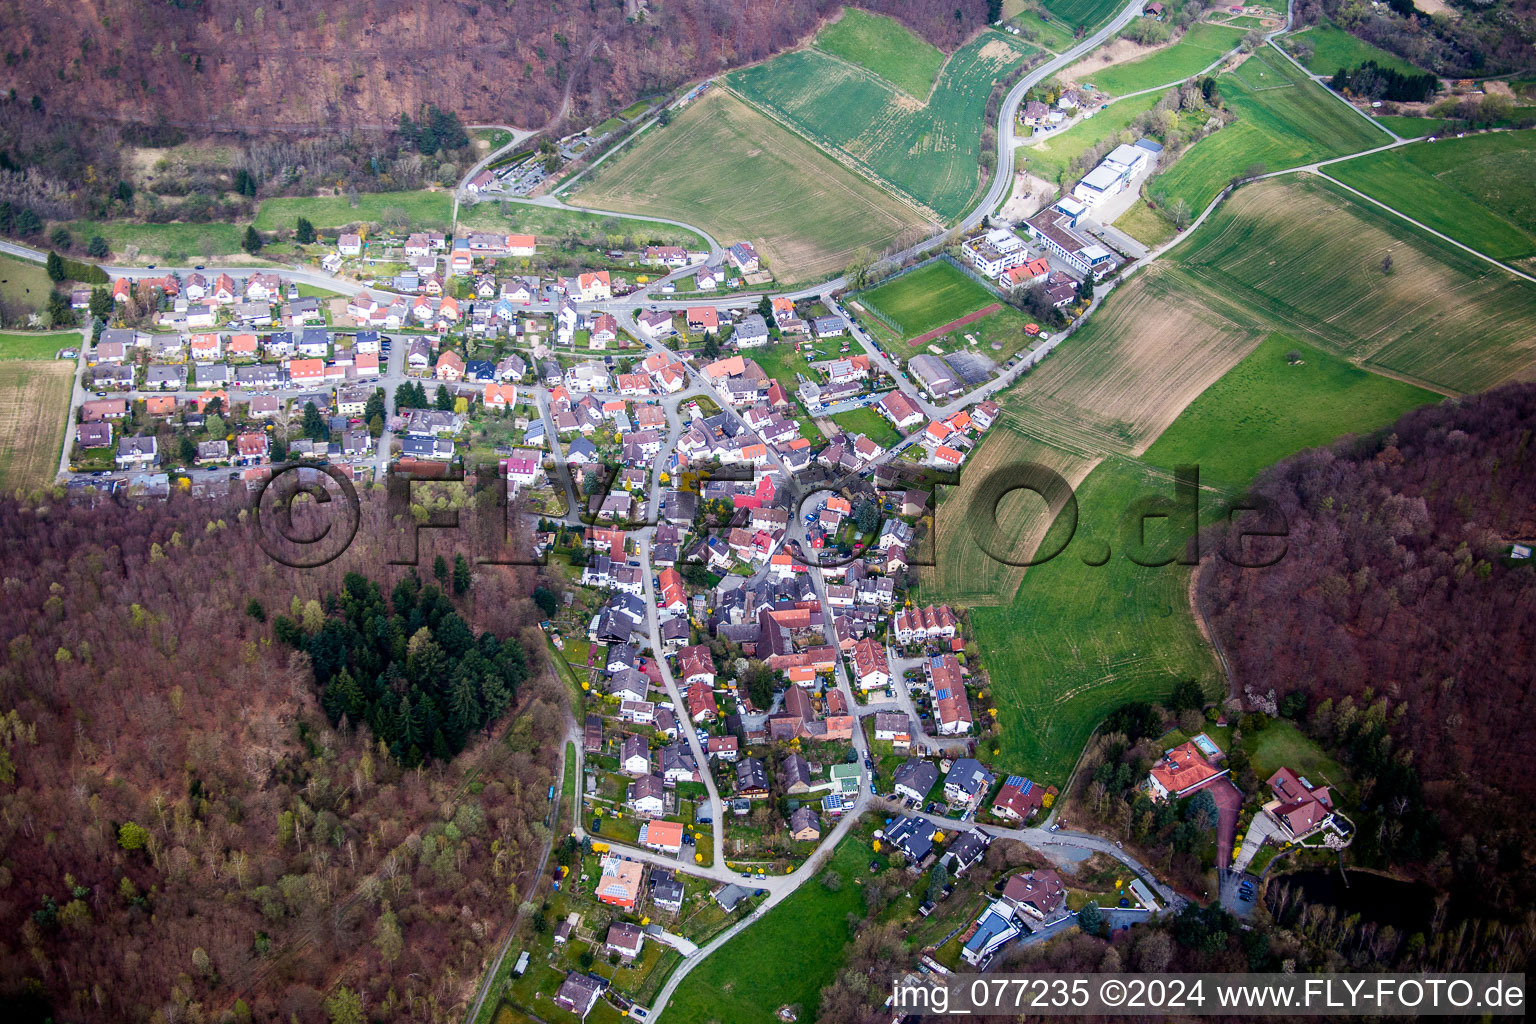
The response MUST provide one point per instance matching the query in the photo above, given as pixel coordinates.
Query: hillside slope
(298, 65)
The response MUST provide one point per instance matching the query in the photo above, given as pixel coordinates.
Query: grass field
(34, 413)
(927, 298)
(1048, 158)
(1480, 190)
(420, 210)
(1049, 31)
(793, 951)
(886, 47)
(1442, 317)
(927, 150)
(545, 222)
(1265, 409)
(1412, 127)
(869, 423)
(1281, 745)
(1334, 48)
(23, 284)
(807, 215)
(1283, 120)
(1145, 224)
(1195, 50)
(22, 345)
(1080, 639)
(160, 242)
(1087, 13)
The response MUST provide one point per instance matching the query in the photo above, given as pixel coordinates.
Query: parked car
(597, 825)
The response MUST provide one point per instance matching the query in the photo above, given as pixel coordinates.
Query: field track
(943, 329)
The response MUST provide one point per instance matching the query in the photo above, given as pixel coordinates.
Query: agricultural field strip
(1198, 40)
(834, 152)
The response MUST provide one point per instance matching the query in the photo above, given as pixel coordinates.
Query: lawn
(1284, 119)
(171, 243)
(808, 216)
(24, 285)
(927, 151)
(870, 423)
(494, 138)
(415, 211)
(549, 224)
(1048, 158)
(1090, 629)
(1334, 48)
(928, 297)
(1085, 13)
(1196, 50)
(635, 109)
(1145, 224)
(34, 414)
(1265, 409)
(21, 345)
(1441, 317)
(1412, 127)
(786, 957)
(1280, 744)
(1480, 190)
(886, 47)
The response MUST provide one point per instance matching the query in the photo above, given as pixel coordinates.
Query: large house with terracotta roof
(1182, 771)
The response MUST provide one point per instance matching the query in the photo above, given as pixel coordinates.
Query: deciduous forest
(1398, 617)
(186, 836)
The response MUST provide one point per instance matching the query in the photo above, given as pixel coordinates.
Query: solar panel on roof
(1026, 787)
(944, 693)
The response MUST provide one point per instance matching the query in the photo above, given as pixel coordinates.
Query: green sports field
(927, 298)
(1267, 408)
(928, 151)
(1480, 190)
(413, 211)
(808, 216)
(1048, 158)
(1196, 50)
(1283, 120)
(1334, 48)
(885, 47)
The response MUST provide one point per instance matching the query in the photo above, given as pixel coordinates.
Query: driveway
(1229, 800)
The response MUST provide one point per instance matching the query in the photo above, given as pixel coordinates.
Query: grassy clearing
(24, 285)
(794, 951)
(1441, 317)
(1038, 25)
(1145, 224)
(19, 345)
(549, 224)
(1412, 127)
(1048, 158)
(494, 138)
(157, 242)
(1197, 49)
(34, 413)
(928, 150)
(1334, 48)
(807, 215)
(869, 423)
(1480, 190)
(406, 210)
(1280, 744)
(635, 109)
(1084, 13)
(927, 298)
(886, 47)
(1284, 119)
(1265, 409)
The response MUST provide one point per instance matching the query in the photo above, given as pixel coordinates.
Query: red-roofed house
(1299, 808)
(1182, 771)
(704, 318)
(701, 703)
(450, 367)
(673, 597)
(870, 666)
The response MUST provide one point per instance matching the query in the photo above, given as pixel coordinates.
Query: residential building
(1182, 771)
(914, 778)
(1298, 808)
